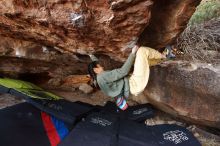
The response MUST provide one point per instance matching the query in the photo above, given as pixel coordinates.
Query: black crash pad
(21, 125)
(4, 89)
(135, 134)
(64, 110)
(173, 135)
(25, 125)
(96, 130)
(138, 113)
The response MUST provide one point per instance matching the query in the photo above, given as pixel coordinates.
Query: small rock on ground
(85, 88)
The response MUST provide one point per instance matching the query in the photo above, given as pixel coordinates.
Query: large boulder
(62, 32)
(103, 26)
(187, 90)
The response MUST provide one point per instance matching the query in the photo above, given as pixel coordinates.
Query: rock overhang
(91, 26)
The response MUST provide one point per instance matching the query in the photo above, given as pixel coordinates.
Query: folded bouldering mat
(135, 134)
(25, 89)
(47, 119)
(138, 113)
(25, 125)
(110, 130)
(97, 129)
(173, 135)
(45, 101)
(64, 110)
(4, 89)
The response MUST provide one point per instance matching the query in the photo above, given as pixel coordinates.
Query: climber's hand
(93, 57)
(134, 49)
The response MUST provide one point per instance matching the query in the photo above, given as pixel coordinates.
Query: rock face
(85, 88)
(102, 26)
(52, 37)
(169, 18)
(190, 91)
(58, 66)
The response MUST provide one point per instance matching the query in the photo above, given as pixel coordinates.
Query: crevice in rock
(36, 78)
(169, 18)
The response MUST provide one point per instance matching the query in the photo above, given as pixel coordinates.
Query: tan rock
(106, 27)
(55, 82)
(85, 88)
(191, 94)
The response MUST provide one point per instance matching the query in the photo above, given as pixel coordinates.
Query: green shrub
(207, 10)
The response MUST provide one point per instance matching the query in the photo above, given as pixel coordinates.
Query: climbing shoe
(169, 53)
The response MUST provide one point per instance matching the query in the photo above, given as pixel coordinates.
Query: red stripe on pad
(50, 129)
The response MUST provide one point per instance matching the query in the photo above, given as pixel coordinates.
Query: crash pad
(96, 129)
(25, 125)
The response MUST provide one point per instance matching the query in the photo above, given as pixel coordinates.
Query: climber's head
(94, 69)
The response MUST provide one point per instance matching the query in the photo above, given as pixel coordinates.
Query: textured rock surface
(190, 91)
(85, 88)
(105, 27)
(58, 66)
(46, 30)
(169, 18)
(19, 66)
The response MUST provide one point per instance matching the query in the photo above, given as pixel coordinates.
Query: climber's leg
(140, 76)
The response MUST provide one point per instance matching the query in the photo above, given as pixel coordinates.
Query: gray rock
(189, 91)
(55, 82)
(85, 88)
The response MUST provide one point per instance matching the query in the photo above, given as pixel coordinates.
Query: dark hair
(91, 72)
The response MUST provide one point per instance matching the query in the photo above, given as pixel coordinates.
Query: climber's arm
(119, 73)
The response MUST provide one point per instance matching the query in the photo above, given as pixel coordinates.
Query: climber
(116, 83)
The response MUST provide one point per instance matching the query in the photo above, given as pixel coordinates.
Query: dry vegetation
(201, 39)
(208, 142)
(202, 42)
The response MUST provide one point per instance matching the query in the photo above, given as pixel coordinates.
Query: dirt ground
(206, 138)
(7, 100)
